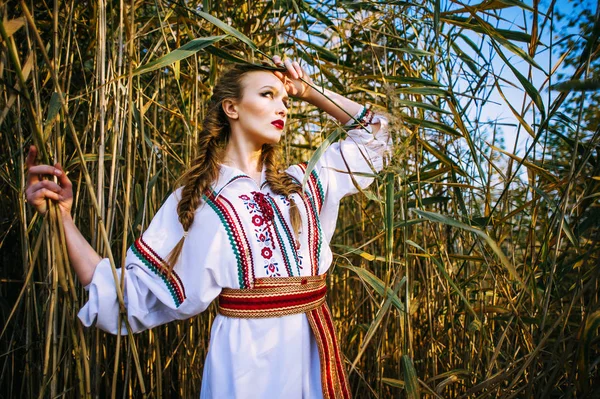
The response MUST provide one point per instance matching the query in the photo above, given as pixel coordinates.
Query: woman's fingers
(31, 156)
(45, 170)
(293, 67)
(297, 82)
(47, 185)
(64, 181)
(30, 163)
(42, 194)
(298, 69)
(39, 190)
(34, 172)
(277, 60)
(288, 64)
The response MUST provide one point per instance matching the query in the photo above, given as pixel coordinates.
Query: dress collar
(229, 174)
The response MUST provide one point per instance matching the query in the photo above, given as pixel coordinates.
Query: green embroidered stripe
(319, 186)
(316, 221)
(231, 239)
(319, 233)
(316, 181)
(289, 237)
(158, 272)
(288, 266)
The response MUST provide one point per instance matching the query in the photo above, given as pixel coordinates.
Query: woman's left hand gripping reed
(38, 190)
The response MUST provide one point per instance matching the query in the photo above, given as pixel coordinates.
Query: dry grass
(457, 275)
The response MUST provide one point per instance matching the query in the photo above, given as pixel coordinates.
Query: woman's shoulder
(166, 220)
(295, 172)
(298, 170)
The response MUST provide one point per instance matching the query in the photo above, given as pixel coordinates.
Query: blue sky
(516, 19)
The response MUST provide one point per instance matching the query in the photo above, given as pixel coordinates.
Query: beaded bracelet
(361, 119)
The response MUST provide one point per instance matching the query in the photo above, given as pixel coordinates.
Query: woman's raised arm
(81, 254)
(321, 98)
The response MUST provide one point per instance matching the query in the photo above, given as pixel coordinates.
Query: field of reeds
(469, 269)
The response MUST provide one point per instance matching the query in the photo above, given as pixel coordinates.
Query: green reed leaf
(411, 382)
(426, 91)
(442, 270)
(402, 80)
(224, 55)
(526, 83)
(378, 285)
(436, 217)
(393, 382)
(317, 14)
(332, 138)
(53, 108)
(475, 26)
(231, 31)
(422, 105)
(183, 52)
(431, 125)
(577, 85)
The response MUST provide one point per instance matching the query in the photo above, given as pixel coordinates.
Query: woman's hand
(298, 84)
(38, 190)
(296, 81)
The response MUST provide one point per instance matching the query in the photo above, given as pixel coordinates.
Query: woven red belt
(283, 296)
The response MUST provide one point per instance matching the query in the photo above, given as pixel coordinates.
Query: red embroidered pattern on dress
(314, 185)
(293, 244)
(313, 208)
(262, 218)
(239, 239)
(155, 263)
(313, 234)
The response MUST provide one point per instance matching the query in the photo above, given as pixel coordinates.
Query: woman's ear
(230, 108)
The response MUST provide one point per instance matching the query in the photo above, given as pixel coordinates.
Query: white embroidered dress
(230, 244)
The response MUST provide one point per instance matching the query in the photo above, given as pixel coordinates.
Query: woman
(241, 230)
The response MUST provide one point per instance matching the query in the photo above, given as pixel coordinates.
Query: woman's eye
(268, 94)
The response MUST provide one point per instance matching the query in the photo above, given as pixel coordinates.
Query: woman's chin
(272, 140)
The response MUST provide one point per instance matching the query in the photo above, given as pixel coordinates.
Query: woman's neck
(248, 160)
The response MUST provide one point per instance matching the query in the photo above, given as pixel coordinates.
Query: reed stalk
(467, 270)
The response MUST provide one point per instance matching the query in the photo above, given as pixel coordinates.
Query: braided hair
(213, 139)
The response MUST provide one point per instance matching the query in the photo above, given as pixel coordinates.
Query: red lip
(279, 124)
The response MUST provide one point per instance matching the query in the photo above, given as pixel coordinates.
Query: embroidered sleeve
(347, 165)
(357, 158)
(152, 295)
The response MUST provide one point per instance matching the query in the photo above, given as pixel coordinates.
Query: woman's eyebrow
(270, 87)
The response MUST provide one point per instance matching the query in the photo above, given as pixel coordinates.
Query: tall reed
(467, 270)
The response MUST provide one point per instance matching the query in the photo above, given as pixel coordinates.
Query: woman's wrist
(315, 95)
(336, 105)
(66, 215)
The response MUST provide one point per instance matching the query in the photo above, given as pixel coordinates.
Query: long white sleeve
(346, 164)
(152, 295)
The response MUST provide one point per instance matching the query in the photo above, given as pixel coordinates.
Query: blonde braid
(213, 140)
(196, 180)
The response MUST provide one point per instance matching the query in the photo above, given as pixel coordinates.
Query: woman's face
(262, 110)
